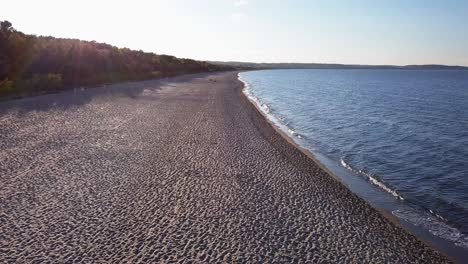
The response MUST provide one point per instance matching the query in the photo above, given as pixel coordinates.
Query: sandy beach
(176, 170)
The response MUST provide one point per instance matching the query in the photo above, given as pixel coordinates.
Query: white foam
(372, 179)
(344, 164)
(292, 132)
(383, 186)
(265, 109)
(434, 224)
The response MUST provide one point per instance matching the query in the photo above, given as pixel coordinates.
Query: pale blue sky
(347, 31)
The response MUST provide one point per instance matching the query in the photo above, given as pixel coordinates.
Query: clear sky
(345, 31)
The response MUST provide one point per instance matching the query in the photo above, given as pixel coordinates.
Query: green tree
(31, 64)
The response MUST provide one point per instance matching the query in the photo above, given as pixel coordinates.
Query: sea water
(404, 131)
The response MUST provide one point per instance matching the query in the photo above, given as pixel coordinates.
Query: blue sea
(403, 131)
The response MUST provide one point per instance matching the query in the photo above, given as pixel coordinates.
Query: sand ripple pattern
(180, 170)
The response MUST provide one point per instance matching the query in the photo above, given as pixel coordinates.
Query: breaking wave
(267, 111)
(372, 179)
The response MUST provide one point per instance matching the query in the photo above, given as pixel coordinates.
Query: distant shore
(333, 66)
(184, 168)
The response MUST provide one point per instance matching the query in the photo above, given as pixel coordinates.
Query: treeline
(32, 64)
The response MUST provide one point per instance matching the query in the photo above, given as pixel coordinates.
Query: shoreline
(448, 248)
(171, 170)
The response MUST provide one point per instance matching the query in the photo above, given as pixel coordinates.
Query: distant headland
(257, 66)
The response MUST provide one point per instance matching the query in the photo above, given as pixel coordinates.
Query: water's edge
(424, 225)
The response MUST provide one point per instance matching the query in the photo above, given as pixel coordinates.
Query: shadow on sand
(81, 96)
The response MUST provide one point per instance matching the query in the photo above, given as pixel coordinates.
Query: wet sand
(183, 169)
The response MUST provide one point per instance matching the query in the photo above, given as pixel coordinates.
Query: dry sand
(183, 169)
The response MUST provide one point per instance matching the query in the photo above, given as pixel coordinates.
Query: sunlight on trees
(36, 64)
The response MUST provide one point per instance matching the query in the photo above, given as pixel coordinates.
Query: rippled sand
(183, 169)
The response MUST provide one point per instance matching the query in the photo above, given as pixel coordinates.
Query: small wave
(265, 108)
(438, 216)
(383, 186)
(294, 133)
(372, 179)
(344, 164)
(435, 224)
(429, 220)
(251, 96)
